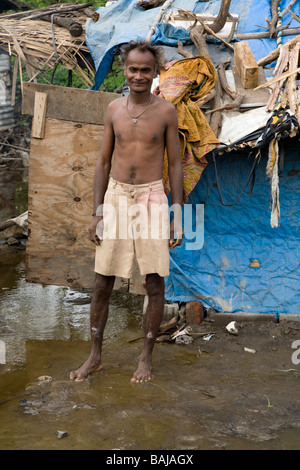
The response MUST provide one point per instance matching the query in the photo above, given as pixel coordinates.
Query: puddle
(185, 407)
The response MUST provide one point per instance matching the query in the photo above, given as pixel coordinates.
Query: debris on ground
(15, 146)
(15, 231)
(14, 156)
(179, 330)
(231, 328)
(61, 434)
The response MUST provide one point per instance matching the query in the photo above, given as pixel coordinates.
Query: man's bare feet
(88, 368)
(143, 373)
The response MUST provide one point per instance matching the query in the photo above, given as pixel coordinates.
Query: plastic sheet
(244, 264)
(252, 14)
(124, 20)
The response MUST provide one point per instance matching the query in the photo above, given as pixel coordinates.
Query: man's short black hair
(143, 46)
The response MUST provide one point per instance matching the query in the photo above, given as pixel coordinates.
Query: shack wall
(69, 124)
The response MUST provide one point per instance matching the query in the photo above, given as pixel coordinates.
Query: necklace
(135, 119)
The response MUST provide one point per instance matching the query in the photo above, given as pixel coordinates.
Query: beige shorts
(135, 224)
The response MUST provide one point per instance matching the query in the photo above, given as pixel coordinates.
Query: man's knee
(155, 284)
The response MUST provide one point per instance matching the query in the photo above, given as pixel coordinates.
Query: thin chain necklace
(135, 119)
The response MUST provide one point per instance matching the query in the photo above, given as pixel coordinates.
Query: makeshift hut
(241, 170)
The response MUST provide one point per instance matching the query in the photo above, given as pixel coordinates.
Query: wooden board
(250, 95)
(246, 64)
(64, 149)
(68, 104)
(60, 204)
(40, 109)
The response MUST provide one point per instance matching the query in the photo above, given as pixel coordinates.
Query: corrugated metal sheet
(6, 110)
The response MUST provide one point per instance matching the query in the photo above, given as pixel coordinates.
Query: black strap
(252, 173)
(272, 128)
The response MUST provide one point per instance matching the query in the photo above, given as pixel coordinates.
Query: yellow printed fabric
(183, 83)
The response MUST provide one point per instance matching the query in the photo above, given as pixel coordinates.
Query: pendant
(134, 121)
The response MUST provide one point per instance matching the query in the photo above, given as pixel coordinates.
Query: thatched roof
(40, 44)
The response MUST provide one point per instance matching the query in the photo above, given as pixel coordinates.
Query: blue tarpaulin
(244, 264)
(252, 14)
(120, 23)
(124, 20)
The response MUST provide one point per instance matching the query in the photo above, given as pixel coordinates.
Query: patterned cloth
(184, 82)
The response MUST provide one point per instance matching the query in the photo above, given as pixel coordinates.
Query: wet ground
(204, 395)
(209, 394)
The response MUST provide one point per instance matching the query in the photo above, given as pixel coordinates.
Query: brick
(194, 312)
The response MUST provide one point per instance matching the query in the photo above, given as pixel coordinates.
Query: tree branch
(220, 21)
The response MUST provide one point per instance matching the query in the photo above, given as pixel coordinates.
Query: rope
(53, 38)
(279, 45)
(251, 174)
(279, 24)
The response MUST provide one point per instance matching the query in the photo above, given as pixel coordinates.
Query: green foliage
(21, 197)
(61, 77)
(35, 4)
(115, 78)
(58, 76)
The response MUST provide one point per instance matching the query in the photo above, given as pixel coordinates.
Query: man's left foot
(143, 373)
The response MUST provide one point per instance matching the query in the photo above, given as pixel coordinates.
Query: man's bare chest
(141, 131)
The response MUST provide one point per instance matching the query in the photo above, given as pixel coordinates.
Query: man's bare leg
(155, 288)
(98, 316)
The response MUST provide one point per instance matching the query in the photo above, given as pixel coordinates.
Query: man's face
(140, 70)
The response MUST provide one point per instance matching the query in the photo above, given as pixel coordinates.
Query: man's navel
(132, 172)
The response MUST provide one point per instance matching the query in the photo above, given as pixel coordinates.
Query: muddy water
(190, 404)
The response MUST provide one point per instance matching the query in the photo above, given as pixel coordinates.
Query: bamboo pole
(58, 11)
(282, 76)
(208, 29)
(261, 35)
(288, 7)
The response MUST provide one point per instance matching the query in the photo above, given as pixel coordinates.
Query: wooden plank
(246, 64)
(69, 104)
(60, 204)
(251, 95)
(38, 122)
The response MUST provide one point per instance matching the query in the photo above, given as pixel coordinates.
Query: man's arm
(175, 178)
(102, 171)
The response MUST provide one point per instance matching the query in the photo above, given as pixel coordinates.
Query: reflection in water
(36, 312)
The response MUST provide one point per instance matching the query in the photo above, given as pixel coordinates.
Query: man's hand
(176, 235)
(93, 237)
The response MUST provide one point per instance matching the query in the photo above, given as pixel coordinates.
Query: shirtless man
(138, 129)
